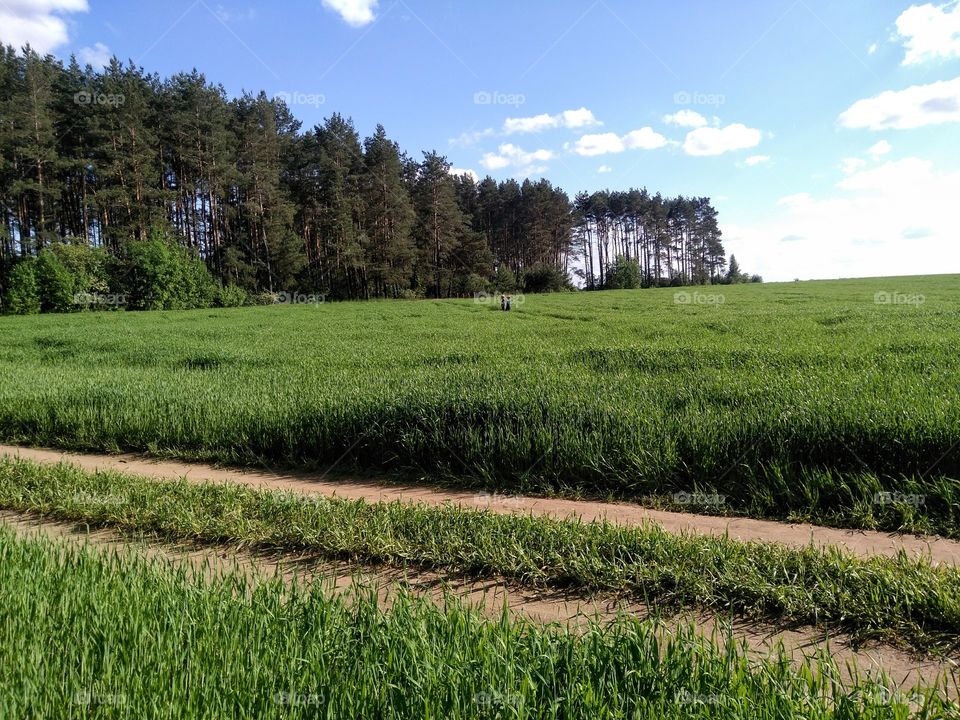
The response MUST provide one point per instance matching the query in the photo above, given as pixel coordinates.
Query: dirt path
(489, 596)
(860, 542)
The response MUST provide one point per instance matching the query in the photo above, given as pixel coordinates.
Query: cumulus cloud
(356, 13)
(604, 169)
(686, 118)
(98, 55)
(532, 124)
(929, 32)
(889, 175)
(465, 171)
(509, 155)
(605, 143)
(581, 117)
(598, 144)
(37, 22)
(913, 107)
(867, 226)
(754, 160)
(644, 139)
(877, 150)
(707, 141)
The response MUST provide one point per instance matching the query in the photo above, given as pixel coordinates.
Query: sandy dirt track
(860, 542)
(903, 668)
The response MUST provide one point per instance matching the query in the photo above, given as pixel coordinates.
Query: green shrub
(624, 274)
(23, 293)
(541, 277)
(504, 280)
(159, 274)
(57, 285)
(231, 296)
(263, 298)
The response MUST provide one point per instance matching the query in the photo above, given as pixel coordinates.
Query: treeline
(675, 239)
(134, 169)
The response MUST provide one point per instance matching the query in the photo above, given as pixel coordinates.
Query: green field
(804, 400)
(116, 636)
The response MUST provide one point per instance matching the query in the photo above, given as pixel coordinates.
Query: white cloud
(581, 117)
(530, 171)
(914, 107)
(872, 50)
(533, 124)
(604, 169)
(601, 144)
(509, 155)
(471, 138)
(754, 160)
(900, 174)
(929, 32)
(604, 143)
(877, 150)
(868, 226)
(37, 22)
(98, 55)
(644, 139)
(356, 13)
(465, 171)
(707, 141)
(686, 118)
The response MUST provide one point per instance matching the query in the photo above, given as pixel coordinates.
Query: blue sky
(826, 132)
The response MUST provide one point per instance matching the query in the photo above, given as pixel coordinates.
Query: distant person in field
(508, 303)
(503, 302)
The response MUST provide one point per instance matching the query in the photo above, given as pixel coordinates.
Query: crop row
(88, 634)
(895, 599)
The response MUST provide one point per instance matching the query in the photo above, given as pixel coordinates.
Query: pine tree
(441, 226)
(733, 271)
(389, 216)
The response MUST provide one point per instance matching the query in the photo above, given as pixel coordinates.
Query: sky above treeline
(827, 133)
